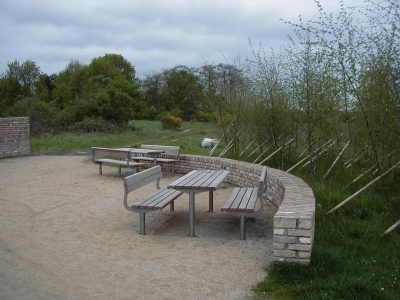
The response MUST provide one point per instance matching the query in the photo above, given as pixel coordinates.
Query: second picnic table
(199, 181)
(152, 152)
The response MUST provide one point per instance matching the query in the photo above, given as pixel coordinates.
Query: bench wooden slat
(251, 195)
(158, 200)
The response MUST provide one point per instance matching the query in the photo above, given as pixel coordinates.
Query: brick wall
(294, 221)
(14, 137)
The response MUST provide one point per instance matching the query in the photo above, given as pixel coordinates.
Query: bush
(95, 125)
(41, 114)
(170, 122)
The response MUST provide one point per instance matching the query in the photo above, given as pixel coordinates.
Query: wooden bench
(155, 201)
(107, 154)
(173, 153)
(242, 202)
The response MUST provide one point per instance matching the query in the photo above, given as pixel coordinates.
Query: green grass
(188, 137)
(351, 258)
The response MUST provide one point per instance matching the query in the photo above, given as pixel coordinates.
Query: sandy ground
(64, 234)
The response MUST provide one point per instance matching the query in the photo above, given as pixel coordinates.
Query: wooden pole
(349, 163)
(216, 145)
(393, 227)
(231, 143)
(369, 170)
(288, 170)
(261, 154)
(276, 151)
(337, 158)
(256, 149)
(316, 156)
(247, 147)
(364, 188)
(301, 154)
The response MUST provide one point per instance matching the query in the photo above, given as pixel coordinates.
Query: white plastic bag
(209, 142)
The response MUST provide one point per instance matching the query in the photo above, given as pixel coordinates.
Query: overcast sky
(151, 34)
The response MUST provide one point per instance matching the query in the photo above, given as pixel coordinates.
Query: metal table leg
(211, 201)
(191, 214)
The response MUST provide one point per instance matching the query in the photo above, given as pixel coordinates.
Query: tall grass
(351, 258)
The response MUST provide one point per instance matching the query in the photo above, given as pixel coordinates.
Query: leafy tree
(19, 80)
(184, 93)
(364, 53)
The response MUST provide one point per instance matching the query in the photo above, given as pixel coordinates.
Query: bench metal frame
(155, 201)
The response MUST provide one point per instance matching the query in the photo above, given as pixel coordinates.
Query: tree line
(337, 79)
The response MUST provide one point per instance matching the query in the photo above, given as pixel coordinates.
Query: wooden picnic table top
(200, 180)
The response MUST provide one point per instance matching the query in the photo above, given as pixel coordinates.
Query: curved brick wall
(294, 221)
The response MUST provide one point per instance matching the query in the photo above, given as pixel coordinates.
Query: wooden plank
(245, 200)
(252, 198)
(238, 199)
(231, 198)
(140, 179)
(183, 180)
(209, 180)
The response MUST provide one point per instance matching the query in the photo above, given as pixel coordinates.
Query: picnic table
(152, 152)
(198, 181)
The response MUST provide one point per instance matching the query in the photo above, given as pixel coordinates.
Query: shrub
(170, 122)
(95, 125)
(42, 114)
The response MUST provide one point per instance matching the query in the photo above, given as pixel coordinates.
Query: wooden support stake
(257, 149)
(393, 227)
(349, 163)
(216, 145)
(276, 151)
(288, 170)
(369, 170)
(247, 147)
(301, 154)
(261, 154)
(231, 143)
(364, 188)
(316, 156)
(337, 158)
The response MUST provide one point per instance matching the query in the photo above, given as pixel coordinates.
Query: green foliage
(94, 125)
(170, 122)
(42, 114)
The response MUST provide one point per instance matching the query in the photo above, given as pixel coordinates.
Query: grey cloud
(150, 34)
